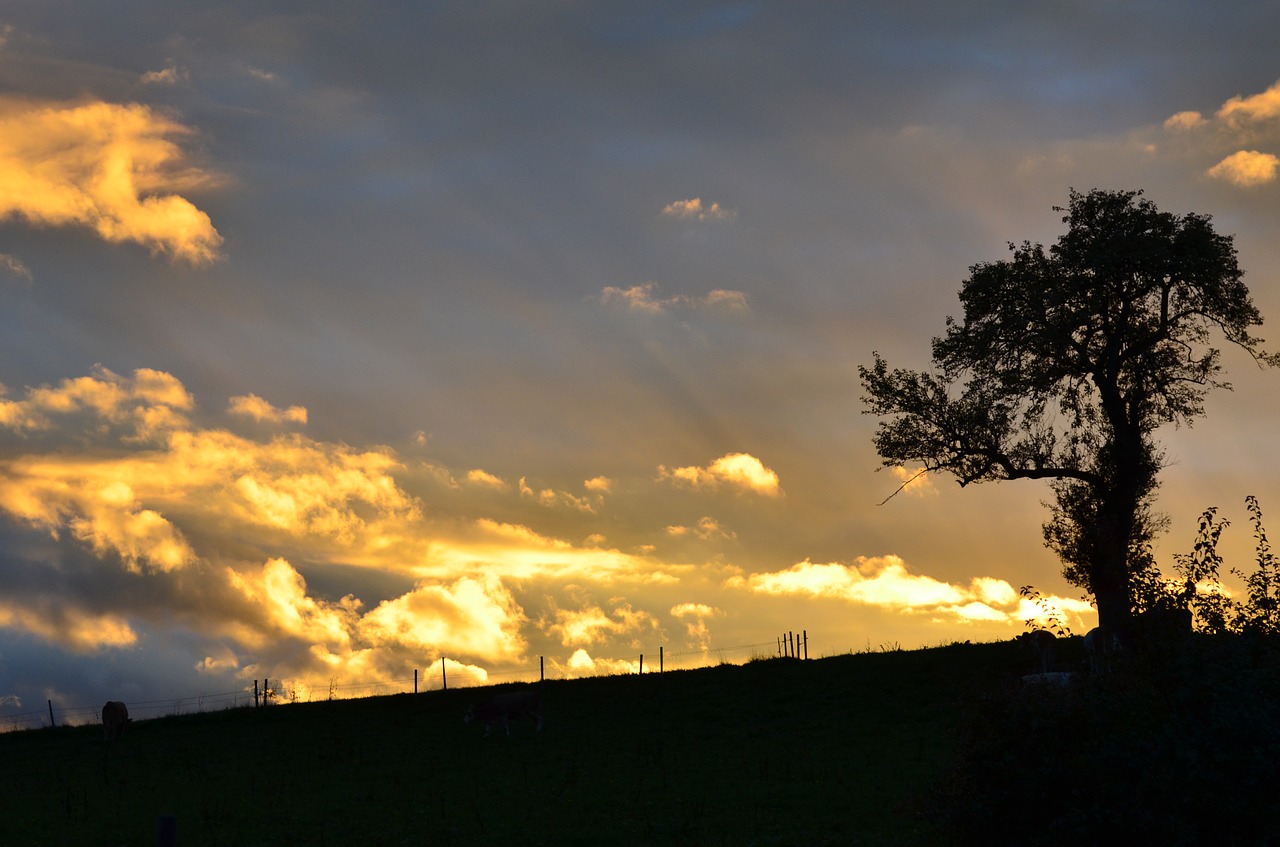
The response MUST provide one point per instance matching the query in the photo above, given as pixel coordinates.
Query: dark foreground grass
(832, 751)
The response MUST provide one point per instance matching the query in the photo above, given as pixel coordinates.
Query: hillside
(836, 750)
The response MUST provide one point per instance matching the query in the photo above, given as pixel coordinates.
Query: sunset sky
(339, 338)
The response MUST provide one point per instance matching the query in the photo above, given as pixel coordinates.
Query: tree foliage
(1216, 612)
(1066, 362)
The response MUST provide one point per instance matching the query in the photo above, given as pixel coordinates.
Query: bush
(1177, 748)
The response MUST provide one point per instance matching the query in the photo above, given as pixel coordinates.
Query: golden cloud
(885, 582)
(737, 470)
(694, 209)
(63, 624)
(1255, 108)
(915, 481)
(281, 592)
(581, 664)
(214, 521)
(112, 168)
(473, 616)
(150, 404)
(484, 478)
(591, 625)
(707, 529)
(551, 498)
(1247, 168)
(253, 406)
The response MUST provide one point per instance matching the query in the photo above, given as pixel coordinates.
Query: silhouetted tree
(1066, 362)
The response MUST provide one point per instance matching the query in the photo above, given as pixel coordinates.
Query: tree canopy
(1066, 362)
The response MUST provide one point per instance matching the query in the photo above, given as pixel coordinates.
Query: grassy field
(838, 750)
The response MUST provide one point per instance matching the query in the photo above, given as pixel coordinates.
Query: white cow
(115, 719)
(507, 706)
(1100, 644)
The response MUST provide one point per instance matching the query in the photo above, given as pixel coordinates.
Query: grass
(871, 748)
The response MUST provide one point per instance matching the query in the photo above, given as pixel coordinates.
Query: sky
(343, 340)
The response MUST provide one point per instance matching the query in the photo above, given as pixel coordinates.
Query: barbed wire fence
(451, 674)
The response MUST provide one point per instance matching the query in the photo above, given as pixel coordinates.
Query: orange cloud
(112, 168)
(1247, 168)
(694, 209)
(1255, 108)
(1183, 121)
(738, 470)
(483, 477)
(253, 406)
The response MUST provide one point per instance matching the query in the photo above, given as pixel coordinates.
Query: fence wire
(283, 691)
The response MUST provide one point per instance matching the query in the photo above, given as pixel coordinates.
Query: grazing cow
(1041, 645)
(115, 719)
(507, 706)
(1100, 644)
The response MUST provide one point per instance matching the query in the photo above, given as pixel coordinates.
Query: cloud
(1238, 122)
(61, 623)
(1247, 168)
(915, 481)
(114, 169)
(736, 470)
(483, 478)
(695, 210)
(146, 405)
(253, 406)
(475, 616)
(695, 617)
(170, 75)
(643, 298)
(551, 498)
(581, 664)
(164, 469)
(598, 485)
(707, 529)
(1256, 108)
(592, 625)
(885, 582)
(1183, 121)
(13, 265)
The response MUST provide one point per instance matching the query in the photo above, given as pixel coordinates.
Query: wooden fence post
(806, 643)
(660, 652)
(542, 669)
(444, 676)
(255, 694)
(52, 723)
(639, 671)
(415, 680)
